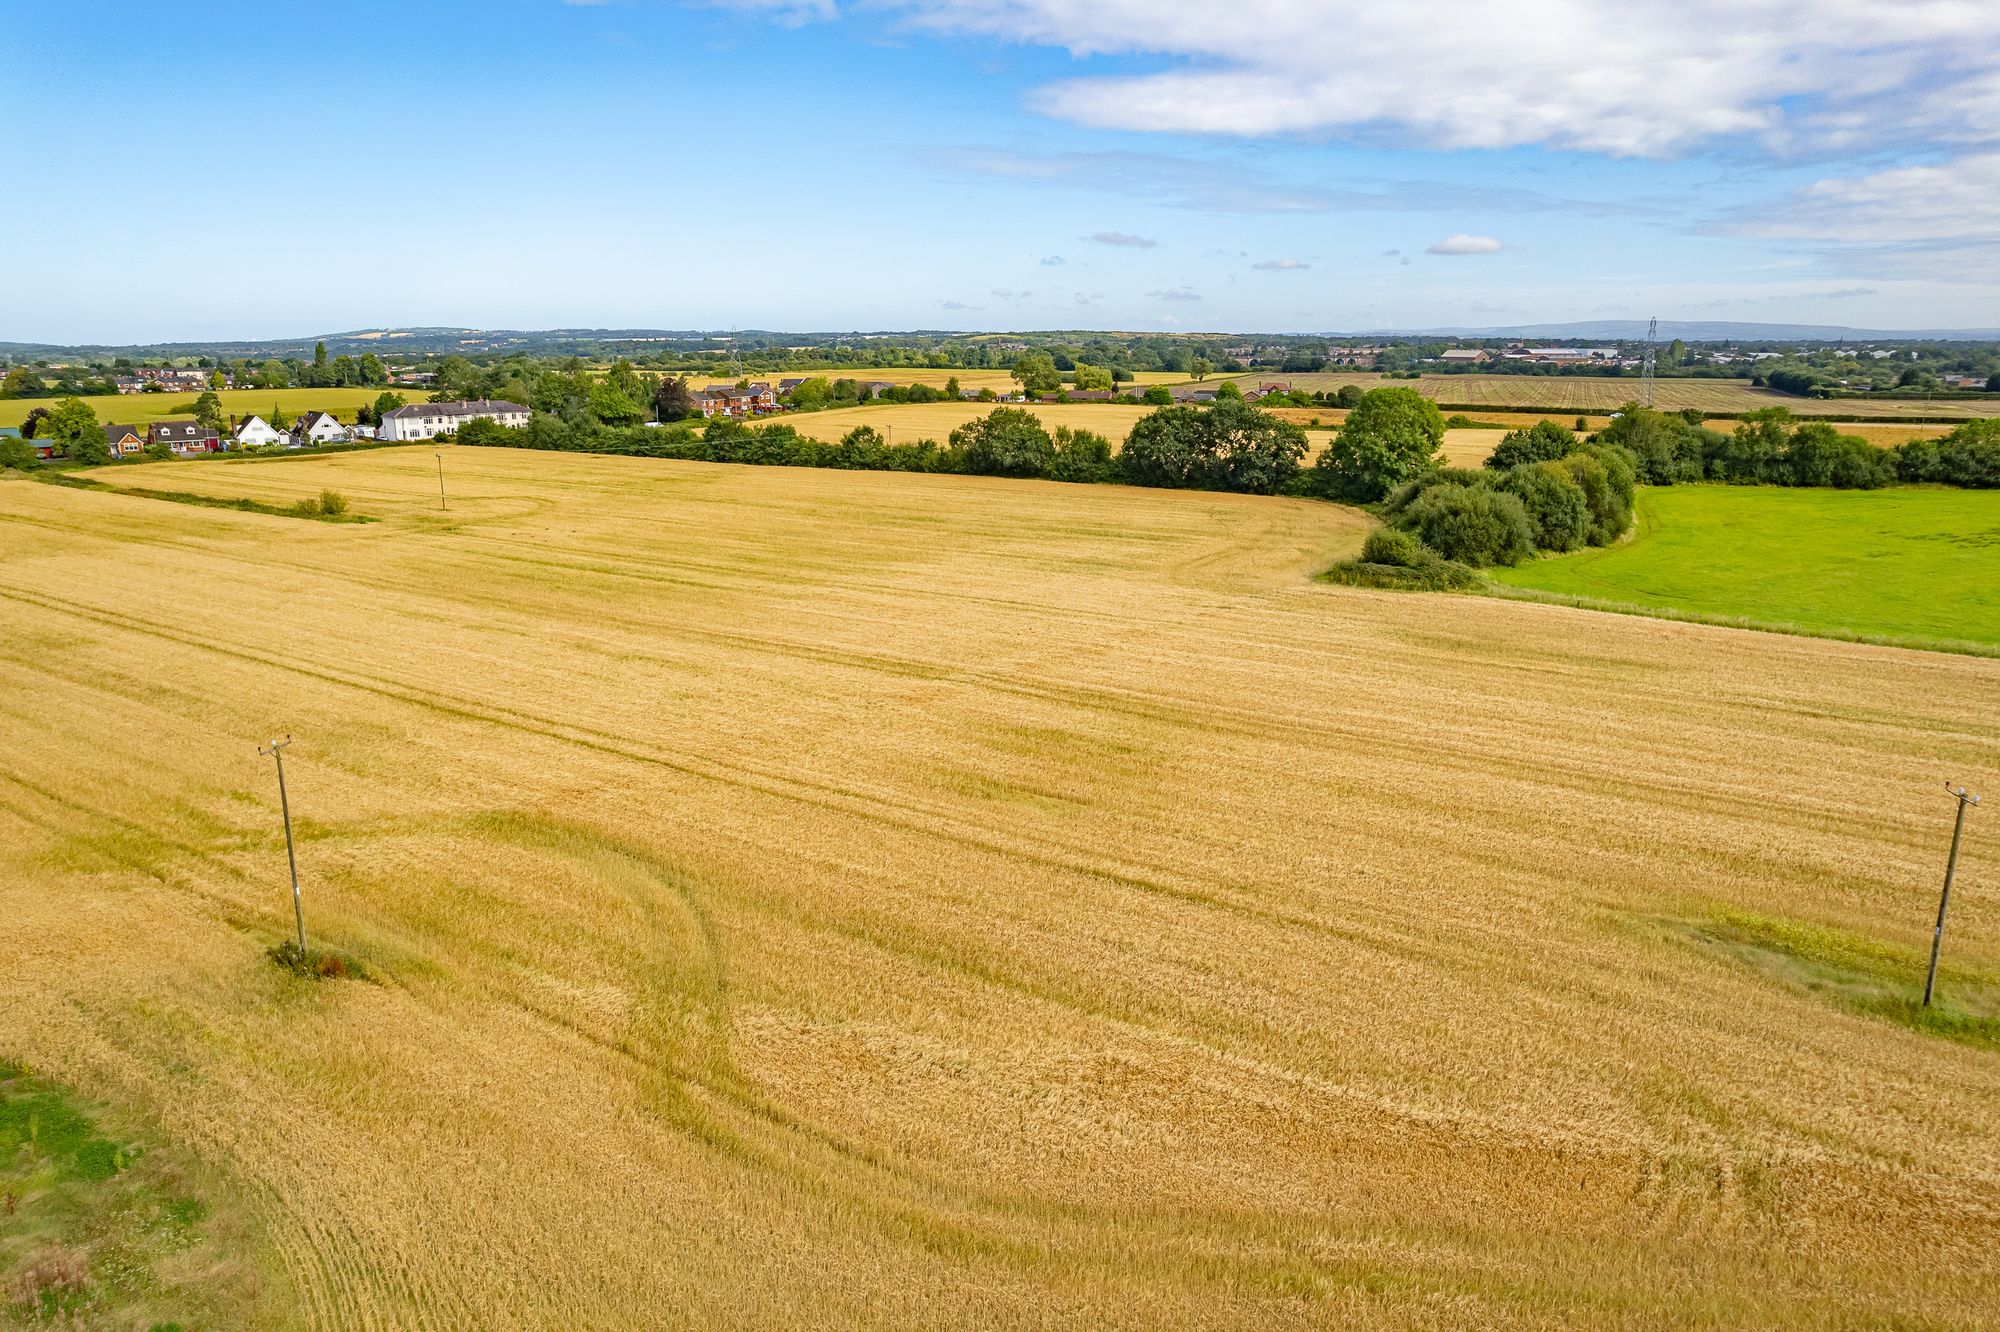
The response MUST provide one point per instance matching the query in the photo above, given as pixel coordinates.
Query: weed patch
(1858, 972)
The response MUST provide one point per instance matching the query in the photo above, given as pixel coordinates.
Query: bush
(1665, 449)
(18, 454)
(1404, 495)
(1080, 456)
(1008, 441)
(1230, 446)
(1969, 456)
(1545, 441)
(1819, 455)
(1475, 526)
(1605, 478)
(306, 508)
(1391, 435)
(332, 503)
(1387, 545)
(483, 432)
(1558, 515)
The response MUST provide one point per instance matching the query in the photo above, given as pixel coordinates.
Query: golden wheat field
(1000, 381)
(830, 899)
(908, 422)
(1582, 393)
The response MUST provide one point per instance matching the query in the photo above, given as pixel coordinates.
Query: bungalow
(1463, 356)
(1184, 394)
(315, 428)
(428, 420)
(875, 388)
(184, 437)
(123, 440)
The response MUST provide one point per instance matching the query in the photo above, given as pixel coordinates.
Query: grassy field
(138, 408)
(794, 897)
(1573, 394)
(1901, 563)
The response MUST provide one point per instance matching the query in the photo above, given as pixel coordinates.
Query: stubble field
(800, 898)
(1586, 394)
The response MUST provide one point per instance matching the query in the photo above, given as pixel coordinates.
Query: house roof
(310, 419)
(114, 433)
(430, 409)
(179, 430)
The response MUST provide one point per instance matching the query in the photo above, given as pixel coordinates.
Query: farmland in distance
(1579, 393)
(933, 902)
(139, 408)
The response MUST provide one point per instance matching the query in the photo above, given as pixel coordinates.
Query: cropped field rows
(1578, 393)
(933, 901)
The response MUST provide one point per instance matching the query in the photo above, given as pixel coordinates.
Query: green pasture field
(138, 408)
(1914, 565)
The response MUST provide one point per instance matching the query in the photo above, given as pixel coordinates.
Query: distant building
(428, 420)
(1463, 356)
(184, 437)
(254, 432)
(162, 379)
(728, 400)
(316, 428)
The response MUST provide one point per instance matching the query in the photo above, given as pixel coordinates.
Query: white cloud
(1053, 261)
(1175, 294)
(1009, 294)
(1281, 265)
(1124, 239)
(1464, 244)
(1938, 219)
(1623, 80)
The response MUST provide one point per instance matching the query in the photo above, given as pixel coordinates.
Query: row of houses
(187, 438)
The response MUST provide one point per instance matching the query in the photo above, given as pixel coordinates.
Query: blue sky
(203, 170)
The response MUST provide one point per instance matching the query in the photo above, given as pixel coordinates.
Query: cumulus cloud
(1815, 74)
(1464, 244)
(1122, 238)
(1175, 294)
(1281, 265)
(1009, 294)
(955, 305)
(1053, 261)
(1937, 218)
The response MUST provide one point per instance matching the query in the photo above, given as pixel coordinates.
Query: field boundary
(1508, 592)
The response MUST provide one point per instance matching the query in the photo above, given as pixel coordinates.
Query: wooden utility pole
(440, 458)
(276, 750)
(1944, 900)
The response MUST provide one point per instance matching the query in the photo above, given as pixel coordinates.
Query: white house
(317, 428)
(428, 420)
(254, 432)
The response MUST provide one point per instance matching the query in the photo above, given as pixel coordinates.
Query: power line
(1944, 899)
(276, 750)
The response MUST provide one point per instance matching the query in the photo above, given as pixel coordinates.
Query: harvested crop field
(812, 898)
(905, 423)
(1583, 393)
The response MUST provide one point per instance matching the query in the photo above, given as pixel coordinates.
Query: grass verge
(316, 510)
(98, 1231)
(1858, 972)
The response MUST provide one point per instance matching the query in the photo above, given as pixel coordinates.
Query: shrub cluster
(1230, 446)
(1541, 490)
(1771, 447)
